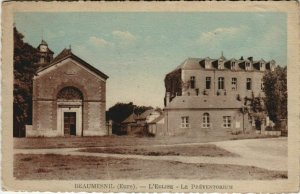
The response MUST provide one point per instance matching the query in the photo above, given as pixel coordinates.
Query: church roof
(67, 53)
(207, 102)
(63, 54)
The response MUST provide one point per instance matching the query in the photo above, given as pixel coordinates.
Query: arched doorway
(69, 111)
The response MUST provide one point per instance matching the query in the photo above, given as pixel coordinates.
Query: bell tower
(45, 55)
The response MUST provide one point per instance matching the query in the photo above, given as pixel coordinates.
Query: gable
(67, 54)
(70, 66)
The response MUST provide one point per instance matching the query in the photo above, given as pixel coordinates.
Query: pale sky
(137, 50)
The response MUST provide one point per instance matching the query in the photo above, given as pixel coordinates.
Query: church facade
(69, 97)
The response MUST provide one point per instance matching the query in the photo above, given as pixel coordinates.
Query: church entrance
(69, 112)
(70, 123)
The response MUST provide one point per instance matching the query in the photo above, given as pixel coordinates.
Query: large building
(68, 97)
(205, 95)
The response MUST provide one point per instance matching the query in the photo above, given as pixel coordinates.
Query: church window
(221, 83)
(70, 93)
(248, 84)
(185, 123)
(207, 82)
(205, 119)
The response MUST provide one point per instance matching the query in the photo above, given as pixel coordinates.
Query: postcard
(150, 96)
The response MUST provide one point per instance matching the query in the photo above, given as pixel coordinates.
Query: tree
(120, 111)
(256, 109)
(275, 88)
(25, 59)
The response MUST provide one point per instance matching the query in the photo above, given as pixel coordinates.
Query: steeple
(44, 53)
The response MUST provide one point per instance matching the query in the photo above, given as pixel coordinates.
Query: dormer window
(248, 66)
(207, 65)
(220, 65)
(262, 66)
(232, 65)
(272, 66)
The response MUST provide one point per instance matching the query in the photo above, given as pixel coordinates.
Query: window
(262, 84)
(192, 81)
(206, 123)
(247, 66)
(220, 65)
(232, 65)
(207, 64)
(262, 66)
(185, 122)
(208, 82)
(248, 84)
(221, 83)
(226, 121)
(234, 83)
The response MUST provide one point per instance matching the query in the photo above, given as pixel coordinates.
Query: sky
(136, 50)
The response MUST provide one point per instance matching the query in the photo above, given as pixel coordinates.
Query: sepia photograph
(152, 100)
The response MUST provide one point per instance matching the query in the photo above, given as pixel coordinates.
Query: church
(69, 96)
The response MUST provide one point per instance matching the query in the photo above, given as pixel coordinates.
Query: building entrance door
(69, 123)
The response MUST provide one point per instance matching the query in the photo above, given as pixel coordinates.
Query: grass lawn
(67, 167)
(186, 150)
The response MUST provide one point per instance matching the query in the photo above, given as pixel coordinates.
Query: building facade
(68, 99)
(206, 95)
